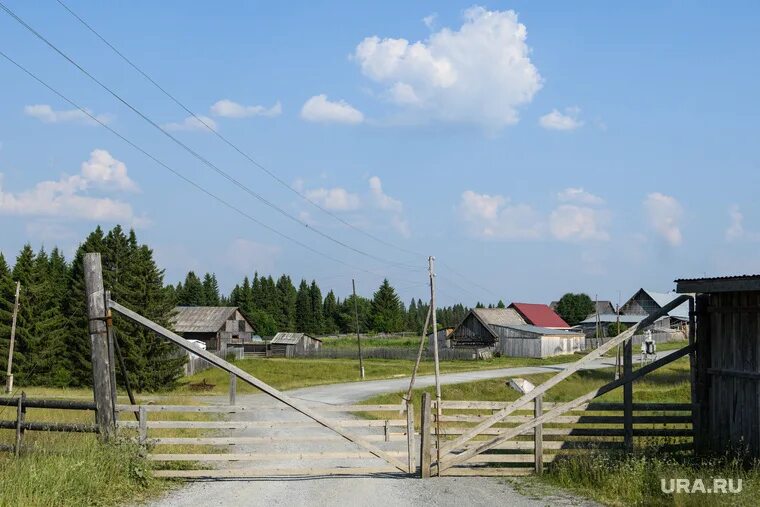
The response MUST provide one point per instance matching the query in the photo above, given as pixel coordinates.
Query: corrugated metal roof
(612, 317)
(539, 315)
(735, 283)
(499, 316)
(290, 338)
(201, 319)
(543, 330)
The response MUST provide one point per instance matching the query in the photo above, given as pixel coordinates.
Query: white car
(197, 343)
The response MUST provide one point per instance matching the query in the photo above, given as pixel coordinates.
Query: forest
(52, 344)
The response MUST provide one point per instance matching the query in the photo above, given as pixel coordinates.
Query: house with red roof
(540, 315)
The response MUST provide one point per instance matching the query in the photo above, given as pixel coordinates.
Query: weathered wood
(239, 425)
(101, 369)
(538, 437)
(142, 421)
(410, 436)
(247, 377)
(425, 437)
(233, 389)
(9, 373)
(556, 379)
(111, 355)
(271, 472)
(416, 368)
(261, 456)
(559, 409)
(54, 404)
(50, 426)
(387, 431)
(628, 394)
(395, 437)
(490, 405)
(20, 415)
(124, 373)
(486, 472)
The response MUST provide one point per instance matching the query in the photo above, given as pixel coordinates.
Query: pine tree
(387, 310)
(210, 290)
(318, 319)
(192, 293)
(330, 312)
(501, 304)
(286, 301)
(304, 314)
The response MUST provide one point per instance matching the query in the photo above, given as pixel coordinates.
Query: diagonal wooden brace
(559, 377)
(247, 377)
(547, 417)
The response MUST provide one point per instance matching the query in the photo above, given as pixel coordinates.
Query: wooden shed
(216, 326)
(477, 328)
(292, 344)
(727, 371)
(539, 342)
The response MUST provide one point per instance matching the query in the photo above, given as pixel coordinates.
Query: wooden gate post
(538, 435)
(142, 425)
(410, 435)
(628, 394)
(233, 388)
(425, 437)
(101, 367)
(20, 419)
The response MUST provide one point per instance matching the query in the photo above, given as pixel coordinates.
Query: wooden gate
(498, 431)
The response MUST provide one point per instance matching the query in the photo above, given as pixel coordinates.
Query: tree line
(53, 345)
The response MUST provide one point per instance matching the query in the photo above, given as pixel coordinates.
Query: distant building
(443, 338)
(292, 344)
(538, 342)
(216, 326)
(539, 315)
(646, 302)
(478, 329)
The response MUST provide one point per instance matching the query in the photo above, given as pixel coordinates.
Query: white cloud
(381, 199)
(559, 121)
(68, 198)
(401, 225)
(337, 198)
(736, 229)
(191, 123)
(248, 256)
(495, 217)
(569, 222)
(580, 196)
(664, 213)
(229, 109)
(319, 109)
(430, 20)
(480, 73)
(47, 114)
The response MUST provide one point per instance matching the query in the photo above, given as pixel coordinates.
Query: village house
(540, 315)
(292, 344)
(443, 335)
(216, 326)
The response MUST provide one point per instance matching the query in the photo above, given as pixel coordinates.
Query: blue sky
(533, 148)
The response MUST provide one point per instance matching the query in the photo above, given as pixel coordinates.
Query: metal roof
(539, 315)
(663, 298)
(736, 283)
(612, 317)
(543, 330)
(498, 316)
(201, 319)
(290, 338)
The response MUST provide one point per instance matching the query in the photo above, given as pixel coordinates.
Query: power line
(230, 143)
(180, 175)
(195, 154)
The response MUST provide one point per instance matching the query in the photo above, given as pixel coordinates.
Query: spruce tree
(330, 312)
(387, 310)
(286, 299)
(210, 290)
(193, 293)
(304, 314)
(318, 319)
(7, 299)
(23, 271)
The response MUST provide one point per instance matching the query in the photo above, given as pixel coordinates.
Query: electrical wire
(194, 153)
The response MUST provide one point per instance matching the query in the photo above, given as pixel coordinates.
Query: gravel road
(372, 491)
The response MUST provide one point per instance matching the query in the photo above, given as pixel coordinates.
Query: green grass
(412, 342)
(300, 372)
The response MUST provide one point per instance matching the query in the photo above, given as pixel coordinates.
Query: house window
(241, 325)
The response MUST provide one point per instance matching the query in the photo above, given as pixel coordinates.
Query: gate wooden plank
(260, 456)
(247, 377)
(270, 472)
(559, 377)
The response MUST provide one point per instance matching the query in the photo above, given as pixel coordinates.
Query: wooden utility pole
(431, 270)
(101, 367)
(358, 336)
(9, 376)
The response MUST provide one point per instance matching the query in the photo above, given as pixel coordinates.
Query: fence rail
(388, 353)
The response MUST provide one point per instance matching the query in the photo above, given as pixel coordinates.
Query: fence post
(628, 394)
(233, 388)
(142, 424)
(20, 418)
(538, 435)
(410, 435)
(101, 368)
(425, 437)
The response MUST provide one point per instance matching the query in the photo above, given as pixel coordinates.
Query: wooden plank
(263, 440)
(595, 407)
(508, 458)
(142, 422)
(247, 377)
(628, 394)
(578, 432)
(258, 456)
(538, 437)
(238, 425)
(486, 472)
(576, 419)
(410, 436)
(233, 389)
(425, 430)
(271, 472)
(478, 447)
(560, 376)
(220, 409)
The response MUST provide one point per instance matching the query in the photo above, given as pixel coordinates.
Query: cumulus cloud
(192, 123)
(579, 195)
(559, 121)
(47, 114)
(69, 196)
(336, 199)
(480, 73)
(569, 222)
(495, 217)
(228, 109)
(319, 109)
(664, 213)
(381, 199)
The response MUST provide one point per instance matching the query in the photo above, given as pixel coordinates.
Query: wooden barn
(726, 375)
(292, 344)
(443, 335)
(478, 329)
(539, 342)
(216, 326)
(645, 302)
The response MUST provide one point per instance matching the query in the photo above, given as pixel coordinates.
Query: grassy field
(294, 373)
(412, 342)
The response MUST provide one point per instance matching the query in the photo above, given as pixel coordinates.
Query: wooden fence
(196, 363)
(591, 426)
(389, 353)
(268, 437)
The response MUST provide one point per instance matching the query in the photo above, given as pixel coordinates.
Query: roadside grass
(292, 373)
(372, 341)
(73, 469)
